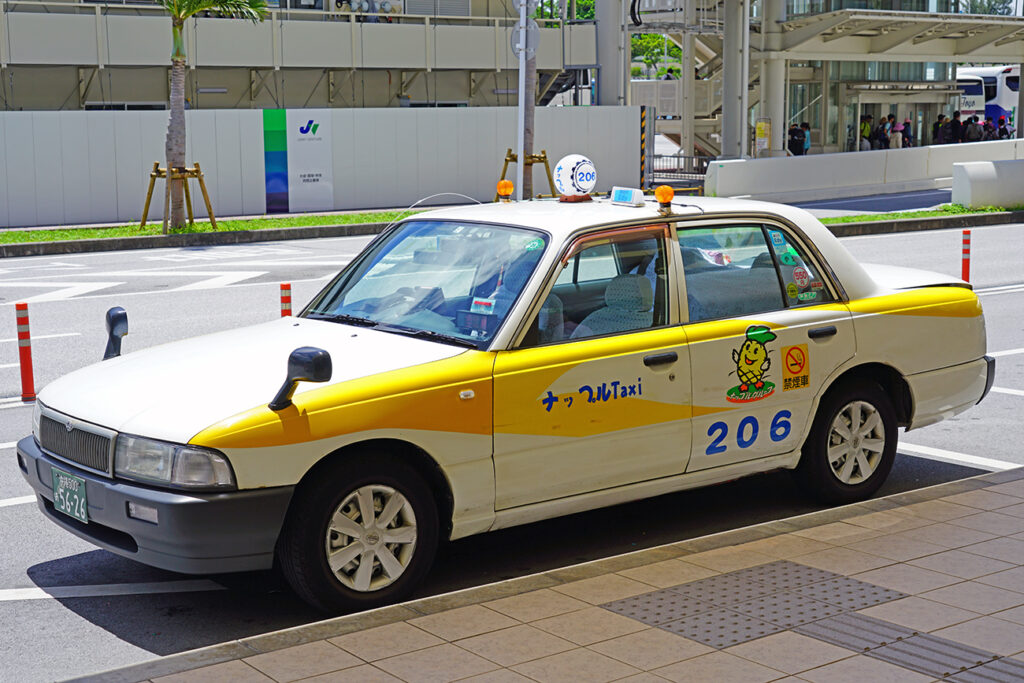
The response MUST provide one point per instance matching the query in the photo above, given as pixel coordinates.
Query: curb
(382, 616)
(194, 239)
(209, 239)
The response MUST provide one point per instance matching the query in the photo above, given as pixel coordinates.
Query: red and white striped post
(286, 299)
(28, 389)
(965, 264)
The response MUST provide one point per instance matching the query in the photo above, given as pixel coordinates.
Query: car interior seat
(629, 304)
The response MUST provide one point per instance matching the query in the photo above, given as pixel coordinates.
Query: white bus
(1000, 84)
(972, 95)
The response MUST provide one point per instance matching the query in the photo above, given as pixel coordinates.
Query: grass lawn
(155, 228)
(944, 210)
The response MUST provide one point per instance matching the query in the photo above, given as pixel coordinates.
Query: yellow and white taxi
(487, 366)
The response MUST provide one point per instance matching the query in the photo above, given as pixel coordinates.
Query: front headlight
(171, 464)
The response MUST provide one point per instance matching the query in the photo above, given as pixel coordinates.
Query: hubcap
(856, 441)
(371, 538)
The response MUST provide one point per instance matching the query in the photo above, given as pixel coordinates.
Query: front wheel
(851, 446)
(362, 534)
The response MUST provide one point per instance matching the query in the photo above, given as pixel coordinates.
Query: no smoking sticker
(796, 367)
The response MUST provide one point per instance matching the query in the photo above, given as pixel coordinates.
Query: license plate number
(69, 495)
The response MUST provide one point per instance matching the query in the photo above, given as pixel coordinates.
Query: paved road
(66, 607)
(877, 203)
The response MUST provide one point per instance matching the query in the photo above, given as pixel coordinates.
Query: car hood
(898, 277)
(174, 391)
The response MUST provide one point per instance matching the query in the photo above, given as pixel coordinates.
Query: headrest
(629, 292)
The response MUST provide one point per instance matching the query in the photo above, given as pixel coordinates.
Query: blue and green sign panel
(275, 159)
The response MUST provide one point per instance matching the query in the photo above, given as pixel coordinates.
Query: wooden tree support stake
(531, 159)
(182, 173)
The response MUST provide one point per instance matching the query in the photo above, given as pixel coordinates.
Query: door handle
(819, 332)
(660, 359)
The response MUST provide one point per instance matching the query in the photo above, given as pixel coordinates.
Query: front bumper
(196, 533)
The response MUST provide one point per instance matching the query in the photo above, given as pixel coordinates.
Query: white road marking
(45, 336)
(10, 365)
(1011, 352)
(21, 500)
(222, 280)
(9, 444)
(957, 458)
(1011, 392)
(5, 406)
(65, 290)
(1016, 289)
(108, 589)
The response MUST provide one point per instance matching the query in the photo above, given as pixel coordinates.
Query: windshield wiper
(344, 318)
(431, 335)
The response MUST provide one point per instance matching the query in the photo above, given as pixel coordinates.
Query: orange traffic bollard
(28, 389)
(965, 264)
(286, 299)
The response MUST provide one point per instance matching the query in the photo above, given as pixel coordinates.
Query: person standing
(936, 128)
(896, 136)
(1003, 131)
(908, 136)
(956, 129)
(796, 140)
(806, 128)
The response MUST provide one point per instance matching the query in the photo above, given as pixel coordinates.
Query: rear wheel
(852, 444)
(363, 533)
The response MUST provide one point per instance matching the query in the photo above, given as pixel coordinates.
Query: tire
(369, 571)
(859, 463)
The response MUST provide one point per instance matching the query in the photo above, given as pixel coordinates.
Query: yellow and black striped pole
(643, 146)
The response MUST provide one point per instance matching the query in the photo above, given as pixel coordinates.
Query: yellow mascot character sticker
(752, 365)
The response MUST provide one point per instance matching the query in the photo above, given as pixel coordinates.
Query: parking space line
(957, 458)
(108, 589)
(9, 444)
(1011, 392)
(20, 500)
(1011, 352)
(45, 336)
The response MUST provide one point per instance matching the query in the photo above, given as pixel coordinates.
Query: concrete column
(773, 73)
(610, 41)
(734, 118)
(687, 88)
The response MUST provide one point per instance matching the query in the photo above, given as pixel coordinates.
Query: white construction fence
(850, 174)
(71, 167)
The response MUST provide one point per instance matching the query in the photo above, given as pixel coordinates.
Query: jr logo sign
(310, 127)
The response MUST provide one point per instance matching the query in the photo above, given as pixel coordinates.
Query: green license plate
(69, 495)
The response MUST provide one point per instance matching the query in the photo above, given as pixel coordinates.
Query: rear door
(766, 332)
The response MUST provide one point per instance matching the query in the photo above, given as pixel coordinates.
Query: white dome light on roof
(575, 175)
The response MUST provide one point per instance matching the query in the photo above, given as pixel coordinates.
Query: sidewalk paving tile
(784, 546)
(589, 626)
(1005, 549)
(1014, 510)
(720, 667)
(357, 674)
(1010, 579)
(897, 547)
(976, 596)
(962, 564)
(302, 661)
(933, 655)
(789, 652)
(837, 533)
(920, 614)
(939, 510)
(861, 668)
(645, 677)
(984, 499)
(1014, 614)
(536, 605)
(728, 559)
(849, 593)
(385, 641)
(235, 671)
(992, 522)
(575, 665)
(659, 607)
(1010, 488)
(601, 589)
(668, 573)
(889, 521)
(784, 575)
(651, 649)
(439, 663)
(906, 579)
(946, 535)
(499, 676)
(787, 609)
(988, 633)
(1004, 670)
(515, 645)
(843, 561)
(463, 622)
(721, 628)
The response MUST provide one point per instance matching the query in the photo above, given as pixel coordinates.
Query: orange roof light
(664, 195)
(505, 189)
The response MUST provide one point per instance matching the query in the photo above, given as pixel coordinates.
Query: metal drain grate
(659, 607)
(848, 593)
(998, 671)
(855, 631)
(724, 589)
(721, 628)
(787, 609)
(785, 574)
(933, 656)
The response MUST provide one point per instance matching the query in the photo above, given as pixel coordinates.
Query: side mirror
(117, 327)
(305, 364)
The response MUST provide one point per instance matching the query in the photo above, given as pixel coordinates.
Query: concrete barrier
(989, 183)
(851, 174)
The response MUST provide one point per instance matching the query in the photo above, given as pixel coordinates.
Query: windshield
(451, 282)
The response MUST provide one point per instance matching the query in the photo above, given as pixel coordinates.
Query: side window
(606, 288)
(801, 281)
(729, 272)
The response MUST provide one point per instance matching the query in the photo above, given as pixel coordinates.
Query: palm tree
(180, 10)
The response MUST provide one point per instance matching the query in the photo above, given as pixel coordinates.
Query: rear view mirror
(117, 327)
(305, 364)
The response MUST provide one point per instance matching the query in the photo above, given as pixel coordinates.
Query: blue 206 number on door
(747, 432)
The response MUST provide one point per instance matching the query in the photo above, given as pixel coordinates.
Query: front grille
(77, 445)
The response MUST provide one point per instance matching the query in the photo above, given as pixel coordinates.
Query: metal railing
(680, 167)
